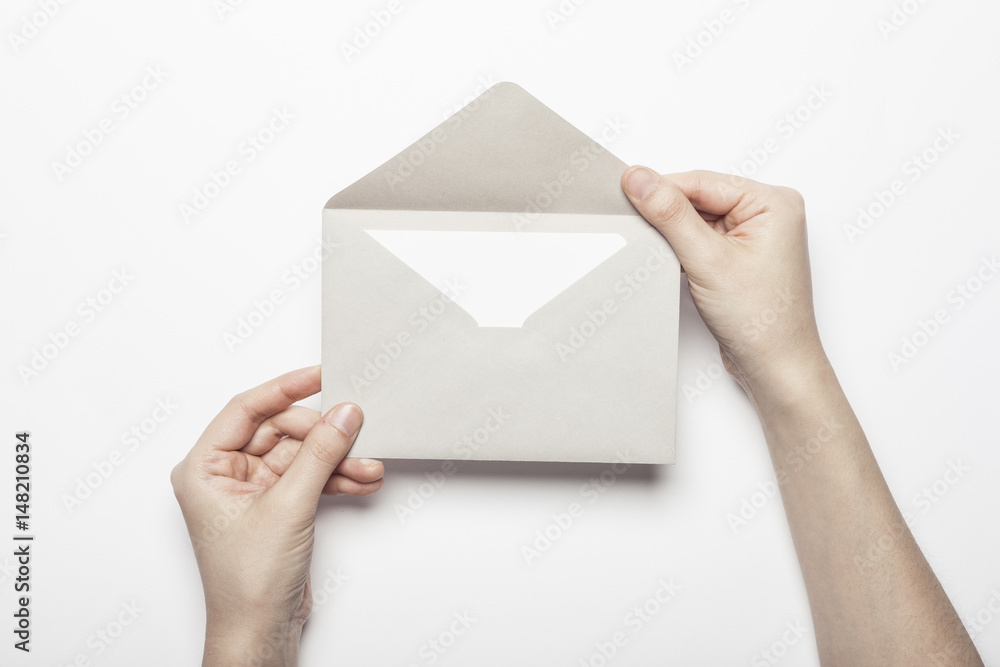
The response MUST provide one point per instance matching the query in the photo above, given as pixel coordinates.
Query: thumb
(324, 447)
(666, 207)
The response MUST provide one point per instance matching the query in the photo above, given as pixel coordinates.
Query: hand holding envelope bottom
(469, 321)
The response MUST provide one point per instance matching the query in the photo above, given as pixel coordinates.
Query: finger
(666, 207)
(734, 198)
(711, 191)
(294, 422)
(235, 425)
(279, 457)
(360, 470)
(325, 446)
(338, 485)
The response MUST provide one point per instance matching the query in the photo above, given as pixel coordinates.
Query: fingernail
(641, 181)
(369, 462)
(346, 418)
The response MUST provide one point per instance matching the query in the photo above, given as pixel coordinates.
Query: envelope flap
(504, 151)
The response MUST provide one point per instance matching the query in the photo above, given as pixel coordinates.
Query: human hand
(743, 247)
(249, 489)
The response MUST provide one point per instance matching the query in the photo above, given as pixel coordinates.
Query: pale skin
(874, 598)
(250, 487)
(249, 490)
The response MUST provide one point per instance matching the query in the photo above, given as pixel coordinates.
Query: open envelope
(491, 294)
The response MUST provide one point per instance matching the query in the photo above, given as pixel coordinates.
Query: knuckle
(236, 402)
(334, 487)
(244, 403)
(794, 198)
(669, 205)
(737, 181)
(371, 487)
(699, 177)
(177, 477)
(287, 394)
(328, 446)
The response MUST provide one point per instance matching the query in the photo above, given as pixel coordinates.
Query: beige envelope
(491, 294)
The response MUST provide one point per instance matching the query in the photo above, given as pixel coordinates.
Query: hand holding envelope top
(492, 294)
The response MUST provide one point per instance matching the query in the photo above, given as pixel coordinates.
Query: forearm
(874, 598)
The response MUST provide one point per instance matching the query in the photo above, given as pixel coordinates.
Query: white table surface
(878, 99)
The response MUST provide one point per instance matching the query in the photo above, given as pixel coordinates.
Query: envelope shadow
(635, 473)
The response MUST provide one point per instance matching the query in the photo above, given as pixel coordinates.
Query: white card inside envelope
(499, 278)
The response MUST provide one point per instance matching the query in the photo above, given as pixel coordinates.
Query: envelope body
(505, 318)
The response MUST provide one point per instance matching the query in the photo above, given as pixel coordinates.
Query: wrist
(232, 641)
(786, 377)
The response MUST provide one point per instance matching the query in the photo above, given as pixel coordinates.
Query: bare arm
(249, 490)
(873, 596)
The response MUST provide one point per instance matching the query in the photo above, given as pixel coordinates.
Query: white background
(162, 337)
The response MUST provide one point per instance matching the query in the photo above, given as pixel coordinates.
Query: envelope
(491, 294)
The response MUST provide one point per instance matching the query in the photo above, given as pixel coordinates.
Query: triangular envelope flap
(500, 277)
(504, 151)
(398, 286)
